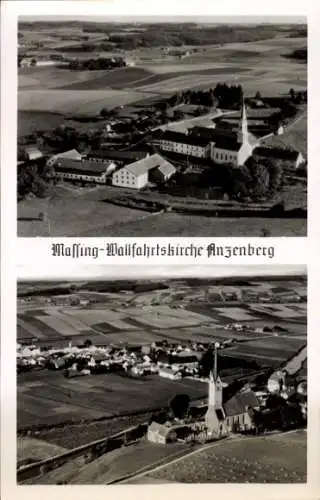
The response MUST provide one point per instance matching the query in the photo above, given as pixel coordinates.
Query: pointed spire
(243, 125)
(215, 361)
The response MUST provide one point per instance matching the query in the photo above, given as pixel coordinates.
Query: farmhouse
(137, 175)
(32, 153)
(83, 170)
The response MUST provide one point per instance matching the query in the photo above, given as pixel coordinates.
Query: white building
(221, 146)
(178, 142)
(136, 175)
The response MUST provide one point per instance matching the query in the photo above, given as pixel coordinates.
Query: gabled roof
(85, 167)
(238, 403)
(167, 169)
(125, 156)
(180, 137)
(228, 143)
(73, 154)
(142, 166)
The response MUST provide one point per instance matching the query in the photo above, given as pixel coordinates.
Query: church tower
(215, 400)
(243, 134)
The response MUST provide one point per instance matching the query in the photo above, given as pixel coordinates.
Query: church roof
(228, 143)
(238, 403)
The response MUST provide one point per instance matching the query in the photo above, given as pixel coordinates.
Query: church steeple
(243, 125)
(215, 384)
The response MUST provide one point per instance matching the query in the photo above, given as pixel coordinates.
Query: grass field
(295, 136)
(84, 102)
(29, 448)
(278, 458)
(71, 214)
(46, 398)
(257, 66)
(192, 225)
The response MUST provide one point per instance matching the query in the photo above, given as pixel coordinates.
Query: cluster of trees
(33, 178)
(155, 35)
(98, 63)
(299, 54)
(223, 95)
(63, 138)
(298, 97)
(89, 47)
(258, 179)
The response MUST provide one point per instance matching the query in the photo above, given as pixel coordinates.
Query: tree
(206, 362)
(265, 232)
(178, 115)
(180, 405)
(258, 96)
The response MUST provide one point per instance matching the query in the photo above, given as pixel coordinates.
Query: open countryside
(110, 329)
(100, 92)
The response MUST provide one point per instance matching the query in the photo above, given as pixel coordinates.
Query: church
(231, 415)
(215, 143)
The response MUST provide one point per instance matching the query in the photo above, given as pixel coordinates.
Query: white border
(10, 9)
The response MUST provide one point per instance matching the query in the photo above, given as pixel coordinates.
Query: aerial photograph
(168, 127)
(163, 380)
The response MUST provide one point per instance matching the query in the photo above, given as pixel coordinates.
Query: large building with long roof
(218, 144)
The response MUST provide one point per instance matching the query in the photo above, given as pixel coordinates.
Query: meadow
(171, 224)
(280, 458)
(258, 66)
(47, 398)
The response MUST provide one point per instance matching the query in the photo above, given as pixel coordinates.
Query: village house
(32, 153)
(137, 175)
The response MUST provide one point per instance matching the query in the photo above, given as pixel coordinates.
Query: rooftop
(125, 156)
(238, 403)
(142, 166)
(192, 139)
(280, 153)
(87, 167)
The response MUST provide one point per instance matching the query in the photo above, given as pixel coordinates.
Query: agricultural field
(114, 465)
(84, 102)
(171, 224)
(85, 209)
(280, 458)
(258, 66)
(295, 136)
(96, 405)
(48, 398)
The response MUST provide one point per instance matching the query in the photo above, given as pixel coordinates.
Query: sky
(154, 19)
(149, 272)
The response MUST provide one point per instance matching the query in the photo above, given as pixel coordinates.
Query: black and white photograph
(163, 380)
(170, 127)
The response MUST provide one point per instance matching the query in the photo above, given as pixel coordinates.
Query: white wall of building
(244, 153)
(186, 149)
(225, 156)
(125, 178)
(99, 179)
